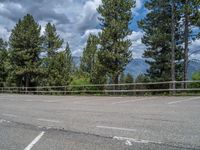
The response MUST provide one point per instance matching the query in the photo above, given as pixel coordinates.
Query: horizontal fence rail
(149, 88)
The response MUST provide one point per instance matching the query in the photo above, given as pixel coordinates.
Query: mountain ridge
(138, 66)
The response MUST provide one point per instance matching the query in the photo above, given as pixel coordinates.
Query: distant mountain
(194, 66)
(139, 66)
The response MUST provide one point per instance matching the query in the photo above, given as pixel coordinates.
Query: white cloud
(4, 33)
(138, 4)
(74, 19)
(83, 40)
(88, 16)
(137, 47)
(195, 45)
(195, 49)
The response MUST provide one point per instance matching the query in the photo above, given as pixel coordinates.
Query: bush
(81, 82)
(196, 77)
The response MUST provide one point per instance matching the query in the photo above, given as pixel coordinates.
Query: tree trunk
(116, 81)
(173, 47)
(27, 82)
(186, 40)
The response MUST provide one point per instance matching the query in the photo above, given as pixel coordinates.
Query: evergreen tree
(190, 12)
(51, 40)
(3, 60)
(122, 78)
(89, 55)
(114, 52)
(61, 67)
(158, 32)
(51, 44)
(142, 79)
(69, 60)
(89, 62)
(25, 48)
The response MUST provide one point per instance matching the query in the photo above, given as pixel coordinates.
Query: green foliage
(25, 48)
(126, 78)
(122, 78)
(129, 78)
(157, 38)
(89, 54)
(3, 62)
(196, 77)
(59, 75)
(80, 80)
(51, 40)
(90, 63)
(69, 60)
(60, 68)
(57, 66)
(114, 52)
(192, 8)
(142, 79)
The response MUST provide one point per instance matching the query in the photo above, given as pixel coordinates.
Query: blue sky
(74, 19)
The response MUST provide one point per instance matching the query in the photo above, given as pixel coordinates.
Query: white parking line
(190, 99)
(47, 120)
(49, 101)
(28, 100)
(129, 140)
(81, 102)
(30, 146)
(137, 100)
(10, 115)
(116, 128)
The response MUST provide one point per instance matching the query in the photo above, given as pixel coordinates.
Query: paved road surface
(99, 123)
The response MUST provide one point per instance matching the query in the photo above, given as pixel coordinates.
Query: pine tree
(89, 54)
(90, 63)
(3, 60)
(51, 40)
(25, 49)
(114, 52)
(61, 67)
(122, 78)
(190, 18)
(158, 38)
(51, 44)
(69, 60)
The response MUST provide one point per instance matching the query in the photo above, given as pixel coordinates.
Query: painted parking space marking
(130, 101)
(186, 100)
(116, 128)
(48, 120)
(129, 141)
(30, 146)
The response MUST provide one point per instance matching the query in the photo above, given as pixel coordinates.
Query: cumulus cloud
(195, 45)
(137, 47)
(88, 18)
(4, 33)
(74, 20)
(195, 49)
(83, 40)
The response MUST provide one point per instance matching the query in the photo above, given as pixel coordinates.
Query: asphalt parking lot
(30, 122)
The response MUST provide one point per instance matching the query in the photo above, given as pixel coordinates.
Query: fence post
(172, 86)
(26, 91)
